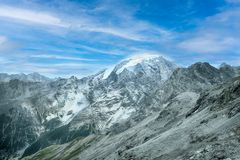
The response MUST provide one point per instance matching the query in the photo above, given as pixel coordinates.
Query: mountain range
(32, 77)
(146, 107)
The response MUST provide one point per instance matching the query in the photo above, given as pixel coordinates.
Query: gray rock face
(135, 103)
(19, 126)
(29, 109)
(195, 78)
(211, 131)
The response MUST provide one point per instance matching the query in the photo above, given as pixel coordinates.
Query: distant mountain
(141, 98)
(32, 77)
(197, 77)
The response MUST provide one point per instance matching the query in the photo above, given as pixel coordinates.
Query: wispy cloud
(31, 16)
(129, 28)
(2, 40)
(217, 34)
(5, 61)
(49, 56)
(6, 44)
(209, 44)
(140, 51)
(233, 1)
(132, 31)
(102, 51)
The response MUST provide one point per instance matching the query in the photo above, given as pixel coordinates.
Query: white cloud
(4, 61)
(61, 57)
(2, 40)
(217, 34)
(130, 29)
(114, 31)
(31, 16)
(6, 44)
(208, 44)
(127, 28)
(233, 1)
(96, 50)
(228, 18)
(139, 51)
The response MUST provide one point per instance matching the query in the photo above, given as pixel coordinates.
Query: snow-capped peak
(147, 61)
(134, 60)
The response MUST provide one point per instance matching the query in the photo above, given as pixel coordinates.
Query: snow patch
(107, 72)
(120, 115)
(73, 104)
(51, 116)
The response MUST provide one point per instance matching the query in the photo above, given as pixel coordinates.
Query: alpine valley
(146, 107)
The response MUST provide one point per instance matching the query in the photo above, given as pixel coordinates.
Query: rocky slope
(195, 78)
(29, 109)
(204, 127)
(111, 112)
(114, 102)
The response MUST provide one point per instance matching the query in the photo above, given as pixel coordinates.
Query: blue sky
(82, 37)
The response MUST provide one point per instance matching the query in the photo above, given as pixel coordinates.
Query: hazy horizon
(97, 71)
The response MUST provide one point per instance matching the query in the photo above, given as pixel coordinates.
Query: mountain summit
(144, 64)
